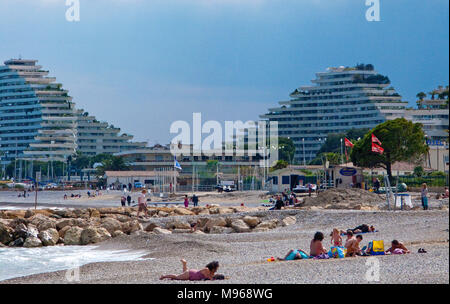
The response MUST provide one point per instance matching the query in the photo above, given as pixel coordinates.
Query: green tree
(401, 140)
(418, 171)
(286, 149)
(114, 163)
(421, 95)
(280, 164)
(333, 141)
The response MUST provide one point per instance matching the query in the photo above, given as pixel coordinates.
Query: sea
(18, 262)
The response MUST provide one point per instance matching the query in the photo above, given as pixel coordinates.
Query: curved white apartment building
(340, 99)
(39, 121)
(37, 117)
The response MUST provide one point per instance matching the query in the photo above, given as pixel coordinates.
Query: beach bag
(337, 252)
(376, 248)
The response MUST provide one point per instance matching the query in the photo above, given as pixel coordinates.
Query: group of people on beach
(352, 245)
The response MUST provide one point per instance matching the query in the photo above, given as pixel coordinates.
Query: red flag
(377, 149)
(348, 143)
(375, 139)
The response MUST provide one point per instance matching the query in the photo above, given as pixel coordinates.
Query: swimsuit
(196, 275)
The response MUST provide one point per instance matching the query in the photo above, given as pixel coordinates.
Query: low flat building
(148, 179)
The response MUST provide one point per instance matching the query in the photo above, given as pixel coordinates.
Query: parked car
(304, 189)
(138, 185)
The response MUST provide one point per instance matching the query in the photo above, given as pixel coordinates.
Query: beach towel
(337, 252)
(376, 247)
(398, 251)
(322, 256)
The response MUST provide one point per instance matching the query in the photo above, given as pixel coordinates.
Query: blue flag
(176, 164)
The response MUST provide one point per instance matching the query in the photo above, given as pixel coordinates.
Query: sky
(143, 64)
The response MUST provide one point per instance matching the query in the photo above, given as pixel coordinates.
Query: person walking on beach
(195, 200)
(142, 204)
(424, 195)
(186, 201)
(122, 201)
(129, 200)
(206, 273)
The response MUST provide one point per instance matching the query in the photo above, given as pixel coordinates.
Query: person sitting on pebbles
(397, 248)
(316, 247)
(206, 273)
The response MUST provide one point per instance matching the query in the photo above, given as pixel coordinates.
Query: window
(275, 180)
(285, 180)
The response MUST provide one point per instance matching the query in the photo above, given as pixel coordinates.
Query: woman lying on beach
(206, 273)
(397, 248)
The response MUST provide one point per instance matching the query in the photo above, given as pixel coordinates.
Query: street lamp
(342, 154)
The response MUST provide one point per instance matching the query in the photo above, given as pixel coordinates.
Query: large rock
(215, 221)
(240, 226)
(163, 214)
(290, 220)
(49, 237)
(150, 227)
(159, 230)
(17, 243)
(225, 210)
(177, 224)
(65, 213)
(73, 236)
(29, 213)
(82, 223)
(123, 218)
(131, 226)
(20, 231)
(6, 234)
(17, 221)
(183, 211)
(32, 241)
(117, 233)
(92, 235)
(62, 232)
(42, 222)
(111, 224)
(252, 221)
(270, 224)
(113, 210)
(93, 212)
(220, 230)
(201, 222)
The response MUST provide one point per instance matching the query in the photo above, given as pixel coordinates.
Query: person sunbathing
(316, 247)
(206, 273)
(364, 228)
(397, 248)
(295, 254)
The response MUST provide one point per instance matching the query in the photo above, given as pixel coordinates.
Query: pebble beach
(243, 256)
